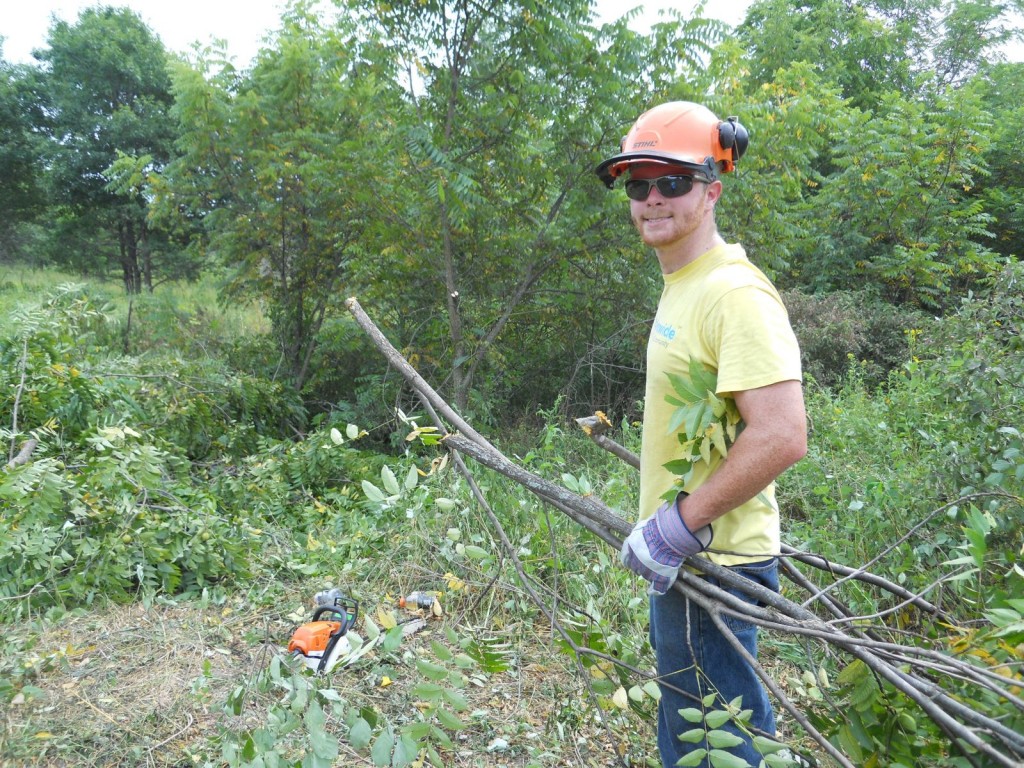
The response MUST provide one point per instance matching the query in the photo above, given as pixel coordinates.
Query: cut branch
(594, 427)
(27, 449)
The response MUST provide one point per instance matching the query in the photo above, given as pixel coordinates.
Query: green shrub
(118, 518)
(107, 504)
(837, 328)
(943, 427)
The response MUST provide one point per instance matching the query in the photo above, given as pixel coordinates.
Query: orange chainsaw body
(311, 639)
(321, 643)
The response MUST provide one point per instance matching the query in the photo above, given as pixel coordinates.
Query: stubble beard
(669, 230)
(679, 225)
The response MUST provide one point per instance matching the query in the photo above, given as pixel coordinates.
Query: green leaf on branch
(692, 715)
(721, 759)
(380, 753)
(449, 720)
(693, 758)
(389, 480)
(723, 739)
(431, 671)
(324, 745)
(706, 423)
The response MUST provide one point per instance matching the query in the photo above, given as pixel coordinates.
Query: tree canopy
(105, 94)
(436, 159)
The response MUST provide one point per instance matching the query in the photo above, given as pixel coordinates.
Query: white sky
(243, 23)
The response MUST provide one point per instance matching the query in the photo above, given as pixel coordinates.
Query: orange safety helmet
(679, 133)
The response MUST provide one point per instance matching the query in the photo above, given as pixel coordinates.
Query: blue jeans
(684, 644)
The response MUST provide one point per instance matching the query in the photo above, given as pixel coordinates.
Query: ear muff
(732, 135)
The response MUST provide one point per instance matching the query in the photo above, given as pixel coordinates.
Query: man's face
(662, 221)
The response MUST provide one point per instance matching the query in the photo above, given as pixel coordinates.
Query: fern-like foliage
(706, 423)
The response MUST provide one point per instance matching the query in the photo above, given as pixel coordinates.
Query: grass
(146, 686)
(176, 313)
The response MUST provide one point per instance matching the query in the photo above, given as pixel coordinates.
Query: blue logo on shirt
(667, 332)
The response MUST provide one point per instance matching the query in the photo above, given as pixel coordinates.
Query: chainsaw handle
(348, 619)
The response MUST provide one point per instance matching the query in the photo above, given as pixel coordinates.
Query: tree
(863, 47)
(1001, 88)
(873, 47)
(107, 91)
(896, 195)
(900, 213)
(497, 229)
(767, 205)
(973, 30)
(21, 193)
(280, 165)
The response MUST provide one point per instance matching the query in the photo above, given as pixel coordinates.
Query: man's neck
(676, 256)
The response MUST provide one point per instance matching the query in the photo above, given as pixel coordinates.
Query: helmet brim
(613, 167)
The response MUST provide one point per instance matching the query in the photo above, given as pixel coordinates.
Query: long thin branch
(913, 530)
(840, 570)
(893, 609)
(939, 706)
(930, 698)
(831, 603)
(714, 609)
(616, 542)
(596, 426)
(412, 377)
(524, 579)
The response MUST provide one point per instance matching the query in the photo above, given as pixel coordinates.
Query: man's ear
(714, 192)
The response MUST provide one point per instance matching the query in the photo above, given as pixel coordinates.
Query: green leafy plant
(295, 728)
(126, 520)
(716, 740)
(707, 424)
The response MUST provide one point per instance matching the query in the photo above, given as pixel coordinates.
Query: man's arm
(774, 438)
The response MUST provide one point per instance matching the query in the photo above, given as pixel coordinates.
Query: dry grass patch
(137, 686)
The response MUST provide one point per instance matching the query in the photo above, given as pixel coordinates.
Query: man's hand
(658, 545)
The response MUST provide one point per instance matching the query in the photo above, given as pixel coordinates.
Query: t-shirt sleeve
(749, 327)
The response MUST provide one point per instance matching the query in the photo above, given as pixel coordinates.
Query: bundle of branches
(922, 674)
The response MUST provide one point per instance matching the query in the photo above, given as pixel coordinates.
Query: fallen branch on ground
(918, 673)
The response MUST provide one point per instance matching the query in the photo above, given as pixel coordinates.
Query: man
(720, 310)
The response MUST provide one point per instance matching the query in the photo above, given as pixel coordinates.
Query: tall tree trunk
(460, 381)
(129, 258)
(147, 257)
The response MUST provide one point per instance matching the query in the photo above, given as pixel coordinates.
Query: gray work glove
(657, 546)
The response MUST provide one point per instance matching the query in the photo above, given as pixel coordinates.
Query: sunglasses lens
(674, 186)
(637, 189)
(668, 186)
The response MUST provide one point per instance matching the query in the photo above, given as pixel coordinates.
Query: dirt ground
(137, 686)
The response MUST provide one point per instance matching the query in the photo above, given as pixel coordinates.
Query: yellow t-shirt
(723, 311)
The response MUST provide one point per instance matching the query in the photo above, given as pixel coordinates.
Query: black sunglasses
(668, 186)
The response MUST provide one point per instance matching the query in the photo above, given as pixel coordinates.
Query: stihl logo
(645, 144)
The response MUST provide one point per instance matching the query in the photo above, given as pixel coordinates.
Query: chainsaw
(320, 643)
